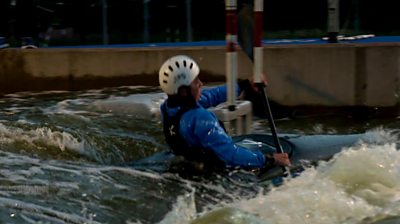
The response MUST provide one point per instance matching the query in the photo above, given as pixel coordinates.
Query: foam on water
(360, 183)
(43, 135)
(183, 210)
(26, 208)
(353, 186)
(143, 105)
(57, 191)
(382, 136)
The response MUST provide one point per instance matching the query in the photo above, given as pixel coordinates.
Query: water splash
(42, 135)
(360, 183)
(381, 135)
(183, 210)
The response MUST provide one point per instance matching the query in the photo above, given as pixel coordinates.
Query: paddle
(247, 43)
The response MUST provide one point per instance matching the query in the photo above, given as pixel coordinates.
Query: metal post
(146, 21)
(105, 22)
(356, 17)
(231, 54)
(12, 19)
(189, 33)
(333, 21)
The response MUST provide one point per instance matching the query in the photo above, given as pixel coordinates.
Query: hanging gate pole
(236, 115)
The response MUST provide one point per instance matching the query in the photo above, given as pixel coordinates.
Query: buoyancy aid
(178, 145)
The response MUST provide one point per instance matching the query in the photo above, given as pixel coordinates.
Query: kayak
(303, 150)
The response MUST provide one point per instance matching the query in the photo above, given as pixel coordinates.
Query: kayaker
(194, 132)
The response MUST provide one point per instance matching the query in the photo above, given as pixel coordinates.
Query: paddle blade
(245, 29)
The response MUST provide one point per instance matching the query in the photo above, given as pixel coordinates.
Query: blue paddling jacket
(197, 134)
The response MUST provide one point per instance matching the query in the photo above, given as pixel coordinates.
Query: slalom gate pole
(231, 53)
(235, 114)
(258, 68)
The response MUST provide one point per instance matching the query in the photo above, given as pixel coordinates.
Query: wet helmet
(177, 71)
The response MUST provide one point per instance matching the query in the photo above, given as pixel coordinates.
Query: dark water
(65, 156)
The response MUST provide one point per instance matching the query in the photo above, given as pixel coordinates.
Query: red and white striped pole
(258, 49)
(258, 68)
(231, 54)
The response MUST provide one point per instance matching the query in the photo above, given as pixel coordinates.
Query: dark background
(79, 22)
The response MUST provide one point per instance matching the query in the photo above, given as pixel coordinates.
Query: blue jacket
(201, 129)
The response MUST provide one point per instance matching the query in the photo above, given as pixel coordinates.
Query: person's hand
(281, 159)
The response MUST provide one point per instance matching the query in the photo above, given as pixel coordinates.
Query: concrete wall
(334, 75)
(321, 75)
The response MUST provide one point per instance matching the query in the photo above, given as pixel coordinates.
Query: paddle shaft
(250, 40)
(262, 90)
(258, 67)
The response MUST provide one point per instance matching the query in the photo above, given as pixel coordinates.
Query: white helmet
(177, 71)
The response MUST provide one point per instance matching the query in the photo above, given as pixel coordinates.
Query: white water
(360, 184)
(62, 140)
(143, 105)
